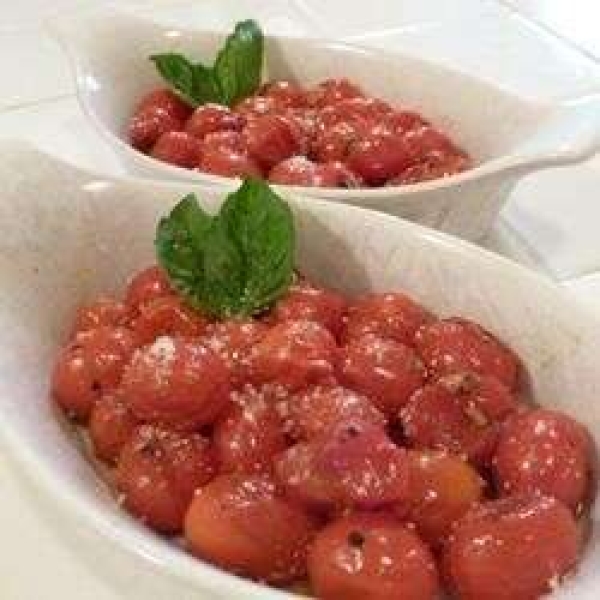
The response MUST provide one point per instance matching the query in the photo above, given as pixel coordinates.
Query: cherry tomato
(460, 413)
(224, 140)
(378, 158)
(91, 364)
(285, 94)
(158, 472)
(168, 101)
(353, 465)
(111, 426)
(178, 148)
(210, 118)
(226, 162)
(250, 433)
(146, 127)
(177, 383)
(240, 523)
(255, 106)
(167, 315)
(271, 139)
(401, 121)
(293, 355)
(234, 342)
(305, 301)
(332, 91)
(395, 316)
(365, 111)
(385, 371)
(546, 452)
(434, 166)
(300, 171)
(456, 345)
(371, 557)
(513, 549)
(317, 410)
(147, 285)
(443, 488)
(104, 311)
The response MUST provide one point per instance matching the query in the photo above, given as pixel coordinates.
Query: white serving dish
(508, 136)
(70, 235)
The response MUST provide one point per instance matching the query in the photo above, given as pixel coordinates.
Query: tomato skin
(224, 140)
(544, 452)
(332, 91)
(457, 345)
(271, 139)
(354, 465)
(165, 99)
(249, 434)
(317, 410)
(305, 301)
(177, 383)
(459, 413)
(255, 106)
(511, 549)
(392, 315)
(147, 285)
(435, 165)
(178, 148)
(385, 371)
(100, 312)
(234, 342)
(333, 143)
(167, 315)
(240, 523)
(371, 557)
(293, 355)
(146, 127)
(443, 488)
(211, 118)
(91, 364)
(158, 472)
(402, 121)
(227, 162)
(285, 94)
(111, 426)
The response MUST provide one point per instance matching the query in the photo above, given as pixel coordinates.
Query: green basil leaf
(179, 245)
(237, 263)
(239, 64)
(180, 73)
(206, 86)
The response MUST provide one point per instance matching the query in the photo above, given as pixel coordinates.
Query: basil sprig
(236, 263)
(236, 73)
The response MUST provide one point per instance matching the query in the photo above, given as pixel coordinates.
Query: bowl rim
(176, 563)
(59, 27)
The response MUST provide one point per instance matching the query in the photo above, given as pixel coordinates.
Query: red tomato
(255, 106)
(167, 315)
(305, 301)
(166, 100)
(401, 121)
(333, 90)
(513, 549)
(271, 139)
(91, 364)
(104, 311)
(226, 162)
(293, 355)
(459, 413)
(365, 111)
(427, 139)
(333, 143)
(224, 140)
(545, 452)
(300, 171)
(209, 118)
(147, 285)
(378, 158)
(353, 465)
(317, 410)
(159, 471)
(371, 557)
(147, 126)
(443, 488)
(285, 94)
(250, 433)
(111, 426)
(234, 342)
(456, 345)
(385, 371)
(395, 316)
(178, 148)
(434, 166)
(240, 523)
(176, 383)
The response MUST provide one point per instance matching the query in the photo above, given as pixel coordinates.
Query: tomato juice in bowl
(557, 342)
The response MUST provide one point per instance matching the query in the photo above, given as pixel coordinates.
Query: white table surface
(550, 222)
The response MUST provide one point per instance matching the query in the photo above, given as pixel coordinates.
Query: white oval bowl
(69, 235)
(508, 136)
